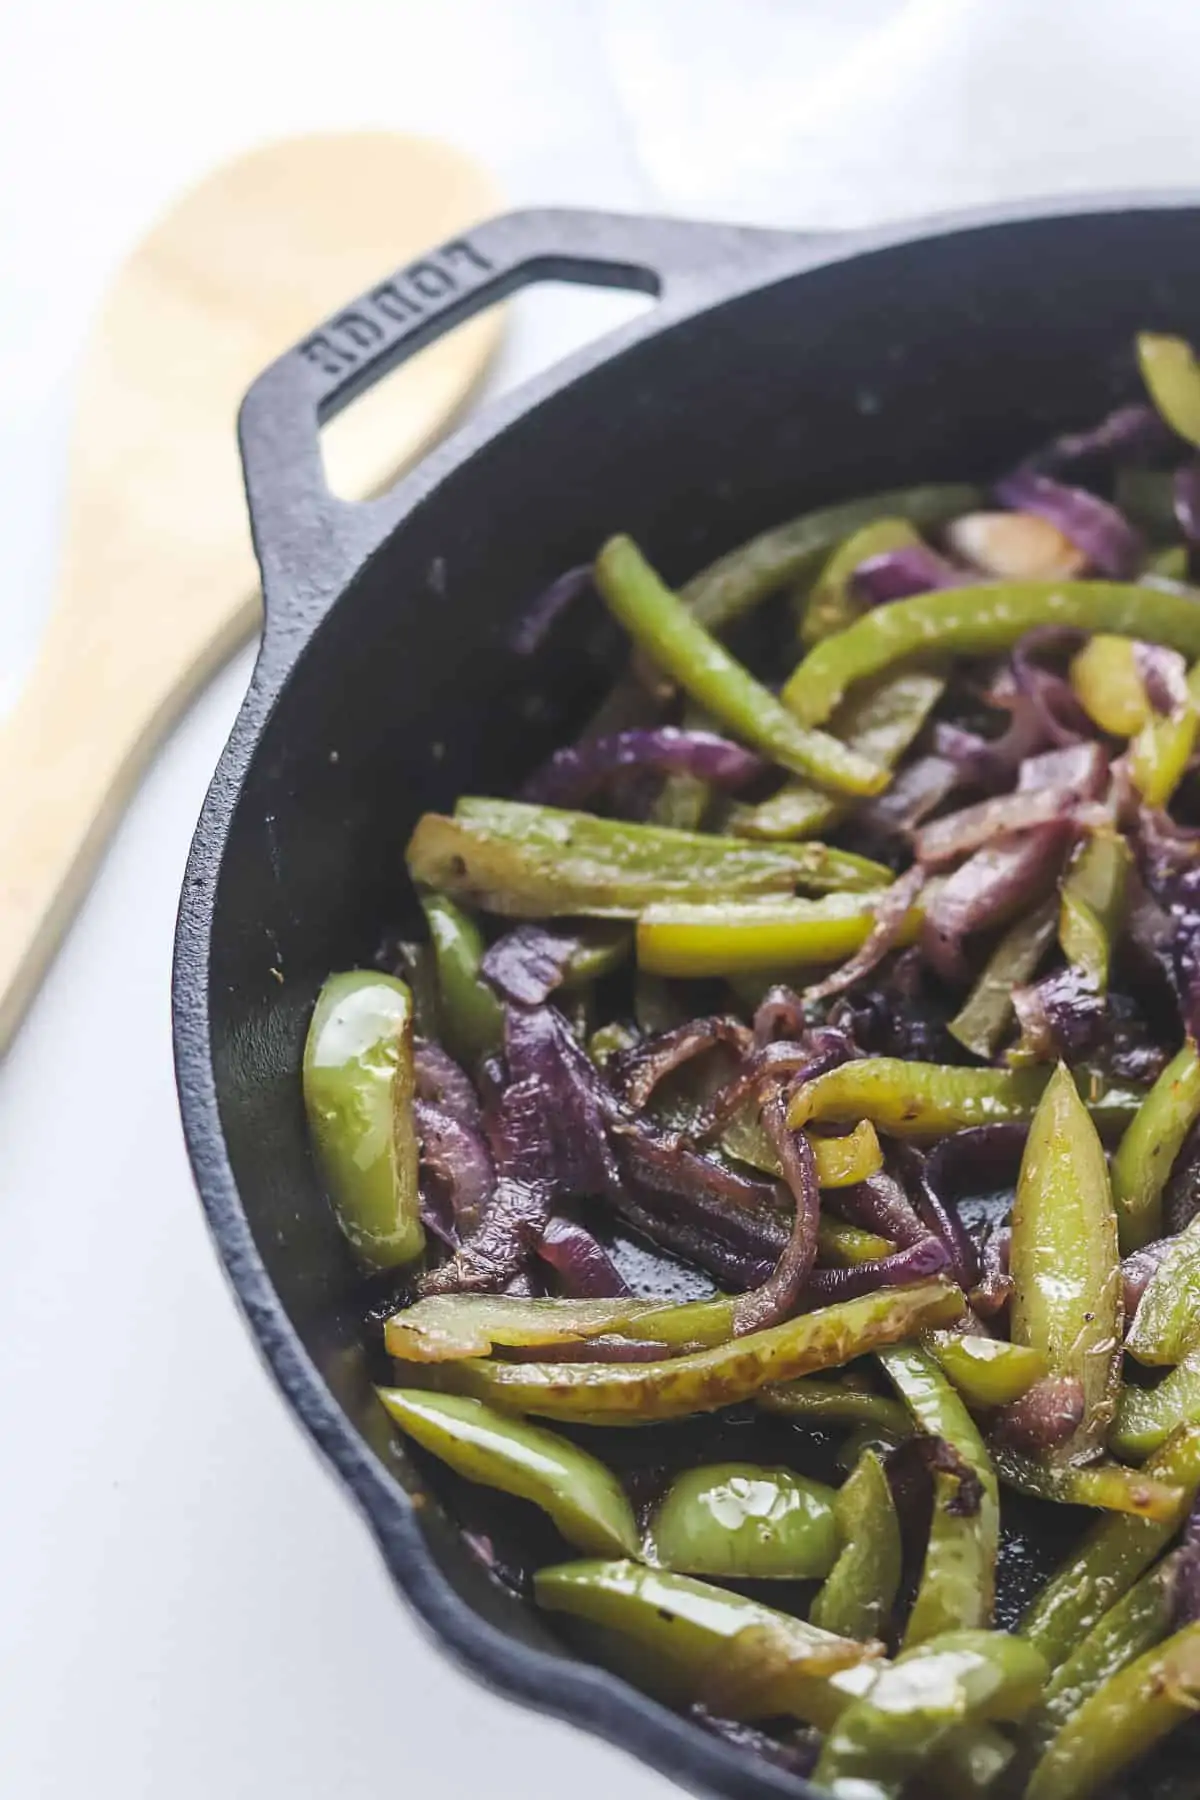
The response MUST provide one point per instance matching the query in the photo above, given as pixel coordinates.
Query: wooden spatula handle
(71, 755)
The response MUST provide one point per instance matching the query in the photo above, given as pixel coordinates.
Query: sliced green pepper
(448, 1327)
(538, 862)
(916, 1099)
(858, 1594)
(840, 1246)
(927, 1100)
(1172, 562)
(742, 1523)
(986, 1371)
(1123, 1719)
(663, 626)
(832, 1401)
(768, 934)
(1140, 1619)
(687, 1640)
(730, 587)
(830, 605)
(984, 1019)
(1063, 1259)
(1149, 1147)
(1146, 1417)
(637, 1393)
(584, 1500)
(881, 723)
(958, 1581)
(1166, 1324)
(1108, 685)
(693, 1636)
(1109, 1486)
(683, 800)
(981, 621)
(1172, 375)
(1111, 1557)
(844, 1161)
(358, 1095)
(960, 1677)
(472, 1018)
(1160, 753)
(1093, 905)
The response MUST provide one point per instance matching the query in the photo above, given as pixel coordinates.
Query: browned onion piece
(928, 1256)
(776, 1299)
(938, 1217)
(459, 1158)
(635, 1073)
(1082, 769)
(1048, 1414)
(890, 913)
(816, 1049)
(578, 771)
(583, 1266)
(1061, 1015)
(915, 792)
(994, 1289)
(529, 962)
(999, 881)
(440, 1081)
(881, 1205)
(1136, 1270)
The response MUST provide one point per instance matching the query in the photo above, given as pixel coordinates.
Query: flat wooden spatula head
(158, 581)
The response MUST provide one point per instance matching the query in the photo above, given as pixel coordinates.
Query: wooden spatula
(158, 581)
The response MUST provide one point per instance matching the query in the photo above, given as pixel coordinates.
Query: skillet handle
(308, 542)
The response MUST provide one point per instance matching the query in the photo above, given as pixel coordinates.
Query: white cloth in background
(837, 113)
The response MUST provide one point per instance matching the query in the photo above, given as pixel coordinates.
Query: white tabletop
(188, 1603)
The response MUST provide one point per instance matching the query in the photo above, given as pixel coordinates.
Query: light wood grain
(158, 582)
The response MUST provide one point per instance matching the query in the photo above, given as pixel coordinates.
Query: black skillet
(776, 373)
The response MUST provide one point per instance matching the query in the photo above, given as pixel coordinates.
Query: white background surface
(187, 1603)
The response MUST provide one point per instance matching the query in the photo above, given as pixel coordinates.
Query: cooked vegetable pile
(804, 1069)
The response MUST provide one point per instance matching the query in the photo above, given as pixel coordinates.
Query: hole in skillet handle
(308, 542)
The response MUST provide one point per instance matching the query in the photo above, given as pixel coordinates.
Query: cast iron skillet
(776, 373)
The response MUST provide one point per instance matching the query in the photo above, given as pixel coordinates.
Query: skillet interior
(940, 358)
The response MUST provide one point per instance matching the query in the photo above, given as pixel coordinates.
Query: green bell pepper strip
(958, 1580)
(662, 625)
(986, 1016)
(830, 604)
(1108, 684)
(731, 939)
(840, 1162)
(733, 585)
(1166, 1324)
(448, 1327)
(821, 1401)
(881, 723)
(877, 1745)
(986, 1371)
(927, 1100)
(1110, 1558)
(1160, 753)
(1064, 1262)
(840, 1246)
(1108, 1486)
(537, 862)
(693, 1636)
(1146, 1417)
(580, 1495)
(1171, 562)
(705, 1380)
(358, 1097)
(1141, 1619)
(1147, 498)
(1123, 1719)
(736, 1522)
(688, 1641)
(471, 1015)
(1092, 910)
(858, 1594)
(1172, 375)
(1149, 1147)
(982, 621)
